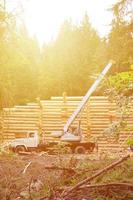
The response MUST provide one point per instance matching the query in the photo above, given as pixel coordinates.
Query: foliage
(120, 48)
(130, 141)
(120, 90)
(18, 55)
(120, 39)
(122, 82)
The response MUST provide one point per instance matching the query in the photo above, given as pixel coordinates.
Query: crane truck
(71, 138)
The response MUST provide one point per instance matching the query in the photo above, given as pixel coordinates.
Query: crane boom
(87, 96)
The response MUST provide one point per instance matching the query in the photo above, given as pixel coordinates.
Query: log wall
(51, 115)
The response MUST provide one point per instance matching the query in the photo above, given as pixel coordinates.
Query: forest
(67, 64)
(35, 165)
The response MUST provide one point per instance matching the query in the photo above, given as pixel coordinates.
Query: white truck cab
(24, 144)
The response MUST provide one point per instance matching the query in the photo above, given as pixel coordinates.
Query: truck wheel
(80, 150)
(18, 149)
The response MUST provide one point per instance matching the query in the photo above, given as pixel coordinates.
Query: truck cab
(31, 141)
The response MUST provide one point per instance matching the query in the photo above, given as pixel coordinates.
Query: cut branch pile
(86, 183)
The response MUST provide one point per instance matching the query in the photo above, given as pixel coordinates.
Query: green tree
(120, 46)
(19, 61)
(70, 60)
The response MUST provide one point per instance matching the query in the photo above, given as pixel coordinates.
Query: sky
(44, 17)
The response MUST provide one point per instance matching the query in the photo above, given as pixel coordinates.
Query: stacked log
(51, 115)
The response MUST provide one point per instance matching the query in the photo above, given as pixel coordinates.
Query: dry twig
(26, 167)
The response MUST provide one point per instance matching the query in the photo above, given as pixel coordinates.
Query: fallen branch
(88, 179)
(60, 168)
(71, 170)
(68, 169)
(122, 185)
(125, 186)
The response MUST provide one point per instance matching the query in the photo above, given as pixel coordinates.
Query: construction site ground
(39, 176)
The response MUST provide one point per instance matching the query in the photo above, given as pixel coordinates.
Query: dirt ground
(42, 176)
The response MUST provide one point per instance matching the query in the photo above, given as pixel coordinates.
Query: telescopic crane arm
(87, 96)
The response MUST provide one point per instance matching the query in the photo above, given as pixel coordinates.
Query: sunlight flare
(44, 18)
